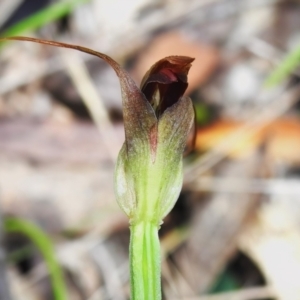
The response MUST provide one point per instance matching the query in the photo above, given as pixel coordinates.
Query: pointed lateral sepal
(173, 129)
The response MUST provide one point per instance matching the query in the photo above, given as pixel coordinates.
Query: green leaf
(44, 244)
(284, 69)
(43, 17)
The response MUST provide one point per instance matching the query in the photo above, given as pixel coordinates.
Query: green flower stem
(145, 262)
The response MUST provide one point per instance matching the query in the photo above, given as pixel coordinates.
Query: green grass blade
(284, 69)
(43, 17)
(44, 244)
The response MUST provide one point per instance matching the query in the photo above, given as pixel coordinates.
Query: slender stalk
(145, 262)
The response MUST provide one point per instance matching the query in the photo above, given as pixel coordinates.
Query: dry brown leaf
(281, 139)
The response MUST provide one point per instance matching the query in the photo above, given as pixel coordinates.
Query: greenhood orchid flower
(148, 174)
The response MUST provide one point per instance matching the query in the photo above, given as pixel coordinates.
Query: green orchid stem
(145, 262)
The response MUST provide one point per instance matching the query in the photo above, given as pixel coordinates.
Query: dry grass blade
(113, 283)
(238, 185)
(91, 98)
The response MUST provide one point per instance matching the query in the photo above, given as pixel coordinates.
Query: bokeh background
(234, 233)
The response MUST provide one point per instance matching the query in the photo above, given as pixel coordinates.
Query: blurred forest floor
(234, 233)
